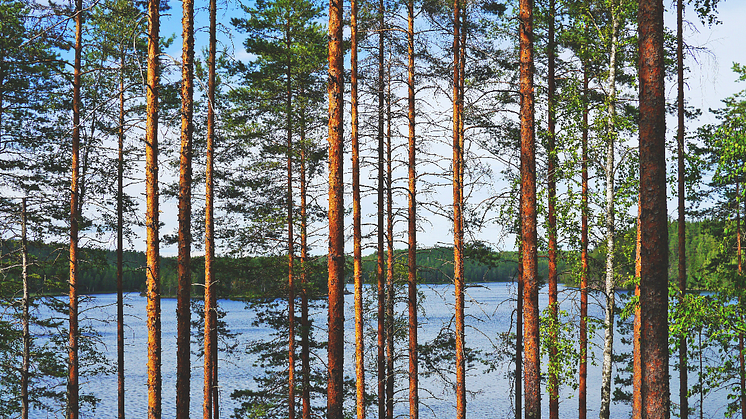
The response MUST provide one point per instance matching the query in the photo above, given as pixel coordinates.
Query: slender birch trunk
(610, 285)
(26, 362)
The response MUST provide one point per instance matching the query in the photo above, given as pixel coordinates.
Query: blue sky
(709, 80)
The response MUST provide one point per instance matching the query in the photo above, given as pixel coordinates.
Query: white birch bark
(606, 373)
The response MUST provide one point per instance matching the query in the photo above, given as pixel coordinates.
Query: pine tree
(652, 336)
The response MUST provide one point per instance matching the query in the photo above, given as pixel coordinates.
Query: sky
(708, 82)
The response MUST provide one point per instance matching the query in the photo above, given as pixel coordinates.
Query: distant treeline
(267, 275)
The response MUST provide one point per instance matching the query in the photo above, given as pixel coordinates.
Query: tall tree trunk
(528, 214)
(552, 221)
(458, 222)
(414, 399)
(519, 326)
(653, 215)
(335, 394)
(72, 381)
(120, 247)
(183, 309)
(291, 250)
(389, 259)
(683, 366)
(210, 348)
(151, 219)
(215, 353)
(356, 222)
(26, 363)
(305, 356)
(381, 358)
(610, 288)
(519, 341)
(636, 361)
(741, 360)
(701, 378)
(583, 367)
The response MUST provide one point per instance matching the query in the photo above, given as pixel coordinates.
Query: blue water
(489, 310)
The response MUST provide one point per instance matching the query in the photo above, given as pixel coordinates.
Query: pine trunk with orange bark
(72, 381)
(412, 221)
(291, 238)
(458, 222)
(532, 375)
(653, 330)
(381, 318)
(356, 222)
(390, 373)
(209, 403)
(153, 293)
(583, 367)
(336, 259)
(183, 309)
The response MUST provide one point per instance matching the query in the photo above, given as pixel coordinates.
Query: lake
(489, 310)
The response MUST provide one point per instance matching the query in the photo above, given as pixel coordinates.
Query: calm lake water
(489, 311)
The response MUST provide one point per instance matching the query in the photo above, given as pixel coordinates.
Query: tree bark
(209, 403)
(583, 367)
(458, 223)
(356, 217)
(683, 366)
(151, 219)
(26, 362)
(519, 330)
(336, 260)
(653, 215)
(389, 260)
(414, 399)
(120, 247)
(636, 360)
(183, 309)
(305, 355)
(381, 358)
(610, 288)
(532, 374)
(291, 250)
(741, 358)
(72, 382)
(553, 384)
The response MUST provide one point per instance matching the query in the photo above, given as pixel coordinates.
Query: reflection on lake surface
(489, 312)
